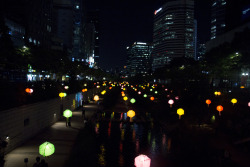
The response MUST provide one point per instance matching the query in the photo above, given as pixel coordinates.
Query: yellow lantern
(131, 113)
(96, 97)
(215, 93)
(125, 98)
(234, 101)
(62, 94)
(180, 112)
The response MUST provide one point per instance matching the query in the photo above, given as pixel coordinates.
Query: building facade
(138, 58)
(227, 15)
(173, 32)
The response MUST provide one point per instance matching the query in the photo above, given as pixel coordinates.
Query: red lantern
(219, 108)
(142, 161)
(152, 98)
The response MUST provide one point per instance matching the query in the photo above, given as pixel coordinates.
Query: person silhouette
(37, 163)
(43, 163)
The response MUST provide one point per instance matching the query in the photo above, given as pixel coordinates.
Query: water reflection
(120, 141)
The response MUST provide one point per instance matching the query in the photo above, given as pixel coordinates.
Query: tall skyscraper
(93, 18)
(77, 51)
(138, 60)
(173, 34)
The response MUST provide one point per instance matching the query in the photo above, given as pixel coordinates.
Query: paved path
(61, 136)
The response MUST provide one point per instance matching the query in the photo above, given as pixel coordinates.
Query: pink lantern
(248, 104)
(142, 161)
(171, 102)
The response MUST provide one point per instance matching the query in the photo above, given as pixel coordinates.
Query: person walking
(43, 163)
(37, 163)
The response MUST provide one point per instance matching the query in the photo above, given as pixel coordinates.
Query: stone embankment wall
(19, 124)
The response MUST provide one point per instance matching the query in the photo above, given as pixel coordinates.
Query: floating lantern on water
(66, 87)
(145, 95)
(142, 161)
(208, 102)
(171, 102)
(103, 92)
(216, 93)
(29, 90)
(132, 101)
(139, 92)
(96, 97)
(125, 98)
(248, 104)
(180, 112)
(152, 98)
(234, 101)
(213, 119)
(46, 149)
(219, 93)
(219, 108)
(156, 92)
(177, 98)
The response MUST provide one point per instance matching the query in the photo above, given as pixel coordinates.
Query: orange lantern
(27, 90)
(83, 90)
(219, 108)
(219, 93)
(208, 102)
(152, 98)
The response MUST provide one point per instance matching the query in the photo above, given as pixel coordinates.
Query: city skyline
(126, 22)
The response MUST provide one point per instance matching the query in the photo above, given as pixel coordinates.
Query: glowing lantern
(152, 98)
(208, 102)
(156, 92)
(180, 112)
(96, 97)
(62, 94)
(219, 108)
(122, 92)
(135, 89)
(46, 149)
(151, 90)
(28, 90)
(83, 90)
(166, 89)
(215, 93)
(176, 98)
(66, 87)
(110, 87)
(219, 93)
(139, 92)
(132, 101)
(242, 87)
(213, 119)
(171, 102)
(145, 95)
(67, 113)
(233, 101)
(142, 161)
(125, 98)
(131, 113)
(98, 86)
(103, 92)
(123, 95)
(248, 104)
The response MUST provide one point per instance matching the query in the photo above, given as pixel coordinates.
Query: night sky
(125, 21)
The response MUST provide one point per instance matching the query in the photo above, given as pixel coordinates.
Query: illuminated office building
(138, 60)
(173, 33)
(227, 15)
